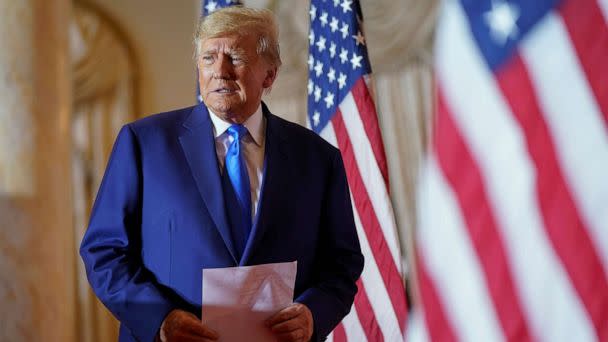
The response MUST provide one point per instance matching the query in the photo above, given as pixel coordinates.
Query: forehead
(230, 42)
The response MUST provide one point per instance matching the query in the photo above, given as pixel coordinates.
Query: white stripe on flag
(370, 173)
(482, 116)
(376, 290)
(452, 262)
(575, 121)
(352, 327)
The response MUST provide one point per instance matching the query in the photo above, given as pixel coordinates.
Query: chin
(220, 108)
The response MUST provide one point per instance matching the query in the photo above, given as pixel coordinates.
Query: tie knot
(237, 131)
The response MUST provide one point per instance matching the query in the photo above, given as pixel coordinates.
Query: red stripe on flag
(466, 180)
(366, 315)
(339, 333)
(589, 35)
(371, 225)
(367, 112)
(561, 217)
(438, 326)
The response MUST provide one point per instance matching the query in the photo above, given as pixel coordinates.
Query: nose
(223, 67)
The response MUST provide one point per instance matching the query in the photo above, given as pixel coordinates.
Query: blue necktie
(237, 194)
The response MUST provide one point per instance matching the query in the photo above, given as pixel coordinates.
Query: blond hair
(242, 21)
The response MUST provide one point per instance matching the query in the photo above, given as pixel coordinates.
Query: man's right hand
(181, 325)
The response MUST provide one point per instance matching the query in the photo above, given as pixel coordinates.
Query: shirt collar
(254, 125)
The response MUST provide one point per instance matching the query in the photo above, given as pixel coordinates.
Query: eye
(237, 59)
(207, 59)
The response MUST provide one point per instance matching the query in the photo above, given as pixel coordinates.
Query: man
(222, 184)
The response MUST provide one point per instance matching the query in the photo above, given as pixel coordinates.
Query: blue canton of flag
(208, 7)
(498, 26)
(211, 6)
(337, 57)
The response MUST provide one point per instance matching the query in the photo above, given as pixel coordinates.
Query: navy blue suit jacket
(159, 219)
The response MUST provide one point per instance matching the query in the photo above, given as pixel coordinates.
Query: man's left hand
(292, 324)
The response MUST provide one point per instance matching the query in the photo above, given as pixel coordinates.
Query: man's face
(233, 76)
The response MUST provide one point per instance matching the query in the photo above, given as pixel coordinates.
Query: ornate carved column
(36, 240)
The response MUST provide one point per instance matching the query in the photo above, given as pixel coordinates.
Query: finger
(292, 336)
(287, 326)
(285, 314)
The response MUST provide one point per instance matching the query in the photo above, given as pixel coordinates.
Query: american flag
(341, 109)
(208, 7)
(512, 240)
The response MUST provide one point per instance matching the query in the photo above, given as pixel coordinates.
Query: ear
(271, 75)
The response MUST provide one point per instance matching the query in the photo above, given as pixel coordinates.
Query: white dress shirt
(252, 146)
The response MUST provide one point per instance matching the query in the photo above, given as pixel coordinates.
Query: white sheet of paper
(237, 300)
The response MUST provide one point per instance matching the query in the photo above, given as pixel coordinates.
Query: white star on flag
(313, 12)
(331, 75)
(323, 19)
(329, 99)
(321, 44)
(317, 93)
(334, 24)
(346, 5)
(343, 55)
(311, 86)
(332, 49)
(211, 6)
(341, 81)
(344, 30)
(315, 118)
(311, 62)
(319, 68)
(502, 20)
(356, 61)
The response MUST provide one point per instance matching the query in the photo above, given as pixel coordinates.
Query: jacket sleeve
(111, 247)
(339, 261)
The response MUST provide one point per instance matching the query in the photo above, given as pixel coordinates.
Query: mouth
(224, 91)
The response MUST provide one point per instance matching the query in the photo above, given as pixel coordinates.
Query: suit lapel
(199, 147)
(274, 186)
